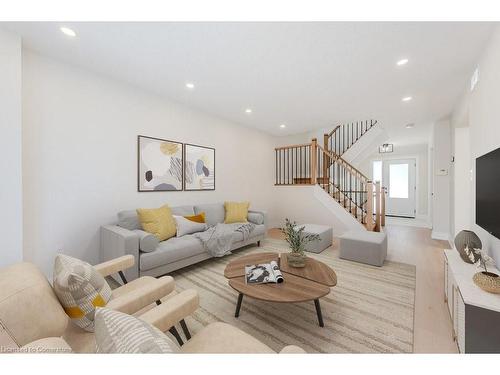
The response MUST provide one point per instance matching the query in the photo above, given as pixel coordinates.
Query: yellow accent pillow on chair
(158, 221)
(236, 212)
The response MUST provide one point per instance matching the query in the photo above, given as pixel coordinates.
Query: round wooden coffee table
(309, 283)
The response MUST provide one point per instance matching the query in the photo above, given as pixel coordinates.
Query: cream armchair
(32, 319)
(137, 296)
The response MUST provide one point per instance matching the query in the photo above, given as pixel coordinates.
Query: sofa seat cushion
(224, 338)
(172, 250)
(214, 213)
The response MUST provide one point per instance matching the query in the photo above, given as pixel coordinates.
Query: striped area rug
(369, 311)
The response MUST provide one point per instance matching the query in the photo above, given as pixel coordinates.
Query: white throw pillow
(116, 332)
(186, 226)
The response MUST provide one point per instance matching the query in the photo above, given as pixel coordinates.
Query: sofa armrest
(173, 310)
(115, 265)
(292, 349)
(141, 297)
(117, 242)
(263, 213)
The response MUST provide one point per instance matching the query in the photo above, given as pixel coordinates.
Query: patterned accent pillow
(80, 289)
(116, 332)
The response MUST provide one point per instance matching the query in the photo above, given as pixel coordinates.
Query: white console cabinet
(474, 312)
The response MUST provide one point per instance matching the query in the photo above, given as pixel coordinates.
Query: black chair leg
(174, 332)
(185, 329)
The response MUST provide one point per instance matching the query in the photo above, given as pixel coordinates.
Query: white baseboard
(440, 236)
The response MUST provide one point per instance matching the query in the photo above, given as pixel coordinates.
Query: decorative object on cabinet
(159, 164)
(467, 238)
(199, 167)
(487, 281)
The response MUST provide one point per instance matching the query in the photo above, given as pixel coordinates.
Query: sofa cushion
(158, 221)
(117, 332)
(172, 250)
(182, 210)
(147, 241)
(129, 220)
(214, 213)
(255, 217)
(80, 289)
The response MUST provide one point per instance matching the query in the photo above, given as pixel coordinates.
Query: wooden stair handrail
(292, 146)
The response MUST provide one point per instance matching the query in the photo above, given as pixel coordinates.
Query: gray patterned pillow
(80, 288)
(116, 332)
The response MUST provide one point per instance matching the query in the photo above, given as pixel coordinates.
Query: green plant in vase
(297, 240)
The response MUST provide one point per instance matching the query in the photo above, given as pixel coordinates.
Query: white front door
(400, 181)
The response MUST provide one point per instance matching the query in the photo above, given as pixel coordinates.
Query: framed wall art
(199, 173)
(160, 164)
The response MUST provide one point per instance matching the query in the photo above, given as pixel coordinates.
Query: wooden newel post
(377, 206)
(326, 163)
(382, 214)
(314, 160)
(369, 205)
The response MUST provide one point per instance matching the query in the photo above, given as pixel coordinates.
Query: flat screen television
(488, 192)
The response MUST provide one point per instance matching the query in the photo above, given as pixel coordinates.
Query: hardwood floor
(413, 245)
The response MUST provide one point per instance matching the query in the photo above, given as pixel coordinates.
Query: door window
(398, 181)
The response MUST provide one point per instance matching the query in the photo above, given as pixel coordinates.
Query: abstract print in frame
(199, 167)
(159, 164)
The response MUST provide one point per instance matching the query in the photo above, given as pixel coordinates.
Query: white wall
(11, 220)
(483, 112)
(441, 182)
(462, 184)
(80, 156)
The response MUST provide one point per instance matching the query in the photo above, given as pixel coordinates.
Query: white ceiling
(306, 75)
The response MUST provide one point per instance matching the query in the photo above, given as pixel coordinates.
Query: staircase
(313, 164)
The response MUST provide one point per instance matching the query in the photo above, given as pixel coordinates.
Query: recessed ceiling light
(282, 126)
(190, 85)
(248, 110)
(407, 99)
(67, 31)
(409, 126)
(402, 62)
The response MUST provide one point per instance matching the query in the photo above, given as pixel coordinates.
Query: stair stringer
(349, 221)
(369, 142)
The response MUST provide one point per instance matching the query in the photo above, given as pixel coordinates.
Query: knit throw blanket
(218, 240)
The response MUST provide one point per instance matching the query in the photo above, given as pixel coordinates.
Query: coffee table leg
(318, 311)
(238, 305)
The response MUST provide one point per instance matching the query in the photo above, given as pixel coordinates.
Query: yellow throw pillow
(236, 212)
(158, 221)
(200, 218)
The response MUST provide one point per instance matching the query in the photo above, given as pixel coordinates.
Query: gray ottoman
(325, 237)
(364, 247)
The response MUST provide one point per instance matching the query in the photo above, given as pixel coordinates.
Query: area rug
(369, 311)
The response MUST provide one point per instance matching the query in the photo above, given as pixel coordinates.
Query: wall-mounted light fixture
(386, 148)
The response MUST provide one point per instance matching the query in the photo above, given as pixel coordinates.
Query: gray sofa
(159, 258)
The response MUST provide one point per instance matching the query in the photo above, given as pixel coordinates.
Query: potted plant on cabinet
(297, 240)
